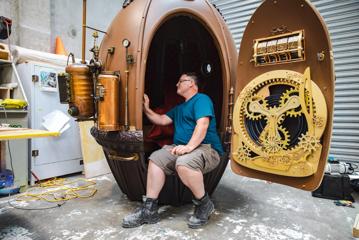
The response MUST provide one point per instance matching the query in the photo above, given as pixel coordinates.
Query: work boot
(203, 209)
(147, 213)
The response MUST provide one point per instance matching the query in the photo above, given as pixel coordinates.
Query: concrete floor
(245, 209)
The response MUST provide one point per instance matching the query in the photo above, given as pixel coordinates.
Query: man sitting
(196, 151)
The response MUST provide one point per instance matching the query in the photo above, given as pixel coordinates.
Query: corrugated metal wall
(342, 19)
(237, 14)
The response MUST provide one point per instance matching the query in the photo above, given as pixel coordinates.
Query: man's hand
(181, 149)
(198, 135)
(146, 102)
(158, 119)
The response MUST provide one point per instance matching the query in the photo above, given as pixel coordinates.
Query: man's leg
(155, 180)
(190, 167)
(148, 212)
(193, 179)
(204, 207)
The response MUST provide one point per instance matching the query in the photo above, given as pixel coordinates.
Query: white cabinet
(52, 156)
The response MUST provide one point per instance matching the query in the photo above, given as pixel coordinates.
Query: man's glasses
(183, 80)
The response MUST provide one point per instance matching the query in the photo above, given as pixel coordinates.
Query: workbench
(8, 133)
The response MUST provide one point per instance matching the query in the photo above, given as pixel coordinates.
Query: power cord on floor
(43, 208)
(62, 193)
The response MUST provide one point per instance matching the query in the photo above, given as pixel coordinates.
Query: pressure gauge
(126, 43)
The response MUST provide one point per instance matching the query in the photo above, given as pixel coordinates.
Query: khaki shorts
(203, 158)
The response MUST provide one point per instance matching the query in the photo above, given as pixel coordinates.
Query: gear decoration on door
(308, 143)
(243, 152)
(279, 119)
(293, 92)
(274, 144)
(252, 115)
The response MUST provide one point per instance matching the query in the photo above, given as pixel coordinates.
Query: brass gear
(308, 143)
(249, 114)
(271, 145)
(281, 119)
(243, 153)
(291, 92)
(285, 137)
(274, 144)
(284, 98)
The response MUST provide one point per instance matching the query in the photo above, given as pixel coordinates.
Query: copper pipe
(126, 99)
(83, 30)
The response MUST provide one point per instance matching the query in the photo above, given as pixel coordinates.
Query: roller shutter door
(237, 14)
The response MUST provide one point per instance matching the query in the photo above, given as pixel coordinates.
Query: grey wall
(36, 23)
(66, 16)
(10, 9)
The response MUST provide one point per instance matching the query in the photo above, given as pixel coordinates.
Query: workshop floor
(245, 209)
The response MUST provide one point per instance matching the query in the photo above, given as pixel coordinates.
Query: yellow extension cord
(62, 192)
(10, 103)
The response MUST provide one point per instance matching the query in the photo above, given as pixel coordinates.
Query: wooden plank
(95, 163)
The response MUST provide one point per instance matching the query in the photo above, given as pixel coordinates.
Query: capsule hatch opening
(181, 44)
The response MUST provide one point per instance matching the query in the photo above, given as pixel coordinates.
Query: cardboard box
(4, 51)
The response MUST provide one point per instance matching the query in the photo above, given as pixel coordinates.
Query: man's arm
(155, 118)
(198, 135)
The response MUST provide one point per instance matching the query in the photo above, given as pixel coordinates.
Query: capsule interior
(181, 44)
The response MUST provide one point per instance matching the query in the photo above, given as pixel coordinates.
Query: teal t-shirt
(185, 116)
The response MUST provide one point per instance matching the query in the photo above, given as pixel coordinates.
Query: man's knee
(153, 167)
(180, 168)
(165, 167)
(183, 169)
(189, 163)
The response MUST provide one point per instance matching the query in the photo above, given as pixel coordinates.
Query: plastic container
(6, 178)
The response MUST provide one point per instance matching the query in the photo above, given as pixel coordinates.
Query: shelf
(14, 111)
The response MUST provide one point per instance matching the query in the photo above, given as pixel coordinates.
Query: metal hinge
(35, 153)
(35, 78)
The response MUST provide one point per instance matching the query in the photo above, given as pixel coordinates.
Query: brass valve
(95, 49)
